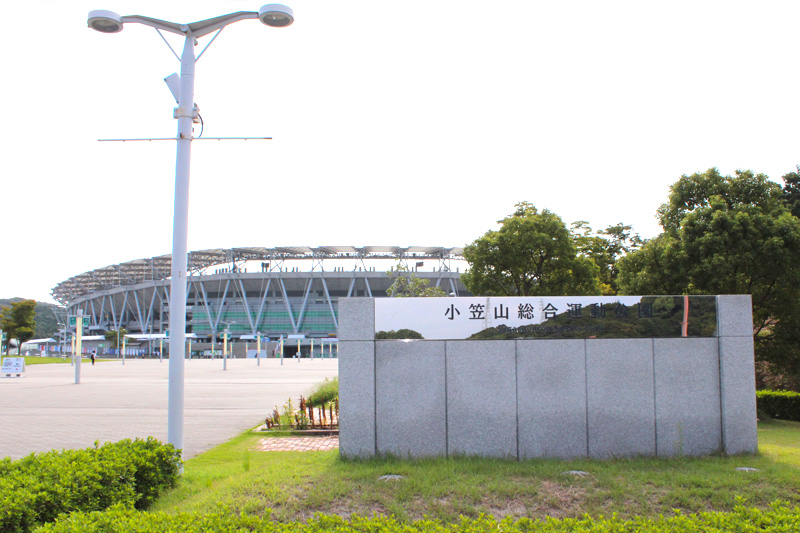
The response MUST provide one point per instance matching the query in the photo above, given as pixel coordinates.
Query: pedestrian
(94, 356)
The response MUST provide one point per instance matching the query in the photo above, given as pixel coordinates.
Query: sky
(394, 123)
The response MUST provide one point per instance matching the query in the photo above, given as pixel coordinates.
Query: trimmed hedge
(39, 487)
(779, 518)
(784, 405)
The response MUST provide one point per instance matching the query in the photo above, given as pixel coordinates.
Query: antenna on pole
(173, 82)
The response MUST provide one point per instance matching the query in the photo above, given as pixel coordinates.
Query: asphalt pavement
(46, 410)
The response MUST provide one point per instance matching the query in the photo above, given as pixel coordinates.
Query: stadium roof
(159, 267)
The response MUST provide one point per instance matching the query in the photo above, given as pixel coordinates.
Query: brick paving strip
(297, 444)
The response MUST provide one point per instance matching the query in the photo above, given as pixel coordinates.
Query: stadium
(284, 292)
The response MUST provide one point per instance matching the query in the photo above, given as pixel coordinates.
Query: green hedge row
(779, 518)
(39, 487)
(784, 405)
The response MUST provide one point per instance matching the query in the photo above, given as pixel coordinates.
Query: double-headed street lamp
(275, 15)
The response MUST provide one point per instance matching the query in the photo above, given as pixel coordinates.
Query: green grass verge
(293, 486)
(33, 360)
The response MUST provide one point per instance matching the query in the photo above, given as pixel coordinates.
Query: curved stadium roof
(157, 268)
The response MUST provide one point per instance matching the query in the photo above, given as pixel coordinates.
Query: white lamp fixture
(275, 15)
(105, 21)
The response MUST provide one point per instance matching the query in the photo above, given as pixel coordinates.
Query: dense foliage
(605, 248)
(532, 254)
(779, 518)
(39, 487)
(729, 235)
(406, 284)
(18, 321)
(784, 405)
(46, 322)
(735, 234)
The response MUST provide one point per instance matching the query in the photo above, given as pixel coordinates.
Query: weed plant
(324, 398)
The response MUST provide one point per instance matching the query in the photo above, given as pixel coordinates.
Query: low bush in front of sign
(39, 487)
(779, 517)
(783, 405)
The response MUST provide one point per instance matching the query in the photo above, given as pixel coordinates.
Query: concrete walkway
(46, 410)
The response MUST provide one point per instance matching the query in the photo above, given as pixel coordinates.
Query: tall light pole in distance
(274, 15)
(225, 345)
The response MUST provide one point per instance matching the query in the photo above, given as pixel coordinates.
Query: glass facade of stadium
(274, 292)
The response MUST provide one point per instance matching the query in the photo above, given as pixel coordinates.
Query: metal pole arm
(155, 23)
(204, 27)
(198, 29)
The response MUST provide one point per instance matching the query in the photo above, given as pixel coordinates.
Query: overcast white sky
(394, 123)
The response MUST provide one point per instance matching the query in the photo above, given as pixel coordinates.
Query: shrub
(779, 518)
(39, 487)
(784, 405)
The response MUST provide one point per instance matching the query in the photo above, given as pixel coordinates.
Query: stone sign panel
(555, 317)
(564, 377)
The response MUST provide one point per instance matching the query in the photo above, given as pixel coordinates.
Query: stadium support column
(180, 233)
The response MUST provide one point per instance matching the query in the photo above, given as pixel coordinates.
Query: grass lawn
(295, 485)
(33, 360)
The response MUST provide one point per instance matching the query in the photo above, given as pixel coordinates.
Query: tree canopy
(115, 336)
(532, 254)
(728, 235)
(18, 322)
(407, 285)
(605, 248)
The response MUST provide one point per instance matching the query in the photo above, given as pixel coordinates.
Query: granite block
(551, 398)
(734, 315)
(481, 398)
(410, 398)
(687, 397)
(356, 319)
(738, 395)
(620, 397)
(357, 398)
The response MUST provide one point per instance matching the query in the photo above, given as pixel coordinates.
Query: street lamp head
(105, 21)
(276, 15)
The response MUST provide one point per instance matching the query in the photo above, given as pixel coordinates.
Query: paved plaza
(46, 409)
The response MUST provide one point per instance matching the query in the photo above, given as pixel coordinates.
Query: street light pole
(225, 345)
(274, 15)
(258, 349)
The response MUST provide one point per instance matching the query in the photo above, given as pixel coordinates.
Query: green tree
(729, 235)
(407, 285)
(605, 248)
(18, 322)
(657, 267)
(115, 336)
(791, 191)
(532, 254)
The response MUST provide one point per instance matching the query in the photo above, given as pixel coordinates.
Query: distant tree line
(26, 319)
